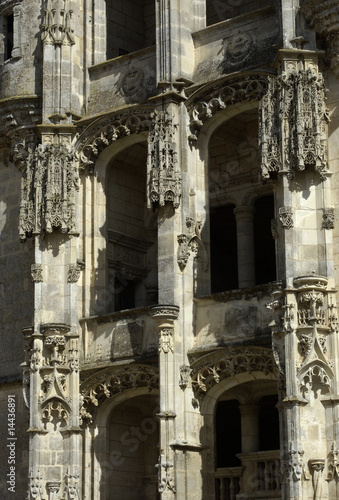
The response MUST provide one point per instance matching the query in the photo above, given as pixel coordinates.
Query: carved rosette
(163, 176)
(56, 28)
(48, 187)
(293, 124)
(324, 18)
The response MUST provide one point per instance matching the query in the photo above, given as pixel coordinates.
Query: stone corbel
(286, 217)
(35, 485)
(333, 464)
(53, 488)
(191, 242)
(317, 466)
(185, 373)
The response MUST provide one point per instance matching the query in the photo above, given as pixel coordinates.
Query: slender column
(249, 428)
(245, 240)
(164, 317)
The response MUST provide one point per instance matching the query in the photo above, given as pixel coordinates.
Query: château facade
(169, 182)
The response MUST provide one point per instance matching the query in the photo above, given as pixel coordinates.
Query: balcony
(258, 478)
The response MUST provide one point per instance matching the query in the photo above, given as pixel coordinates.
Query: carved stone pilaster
(163, 176)
(56, 28)
(293, 123)
(48, 186)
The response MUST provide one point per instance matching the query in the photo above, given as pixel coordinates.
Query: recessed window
(9, 36)
(130, 26)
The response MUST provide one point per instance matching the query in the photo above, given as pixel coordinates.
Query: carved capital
(56, 28)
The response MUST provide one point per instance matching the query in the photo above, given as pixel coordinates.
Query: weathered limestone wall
(16, 302)
(21, 75)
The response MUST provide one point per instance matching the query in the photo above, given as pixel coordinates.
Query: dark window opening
(220, 10)
(223, 238)
(124, 296)
(130, 26)
(228, 434)
(269, 424)
(265, 261)
(9, 36)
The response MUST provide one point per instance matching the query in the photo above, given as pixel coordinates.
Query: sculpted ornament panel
(213, 368)
(49, 183)
(106, 384)
(221, 95)
(105, 131)
(191, 242)
(293, 125)
(163, 176)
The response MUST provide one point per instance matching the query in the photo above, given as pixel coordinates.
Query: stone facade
(169, 249)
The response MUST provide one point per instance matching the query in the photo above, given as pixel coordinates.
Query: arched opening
(247, 456)
(217, 10)
(132, 235)
(242, 247)
(224, 260)
(133, 450)
(130, 26)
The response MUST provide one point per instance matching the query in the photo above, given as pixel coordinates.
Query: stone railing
(261, 476)
(227, 482)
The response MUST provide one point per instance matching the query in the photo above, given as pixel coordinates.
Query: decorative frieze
(191, 242)
(293, 124)
(56, 28)
(48, 187)
(163, 176)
